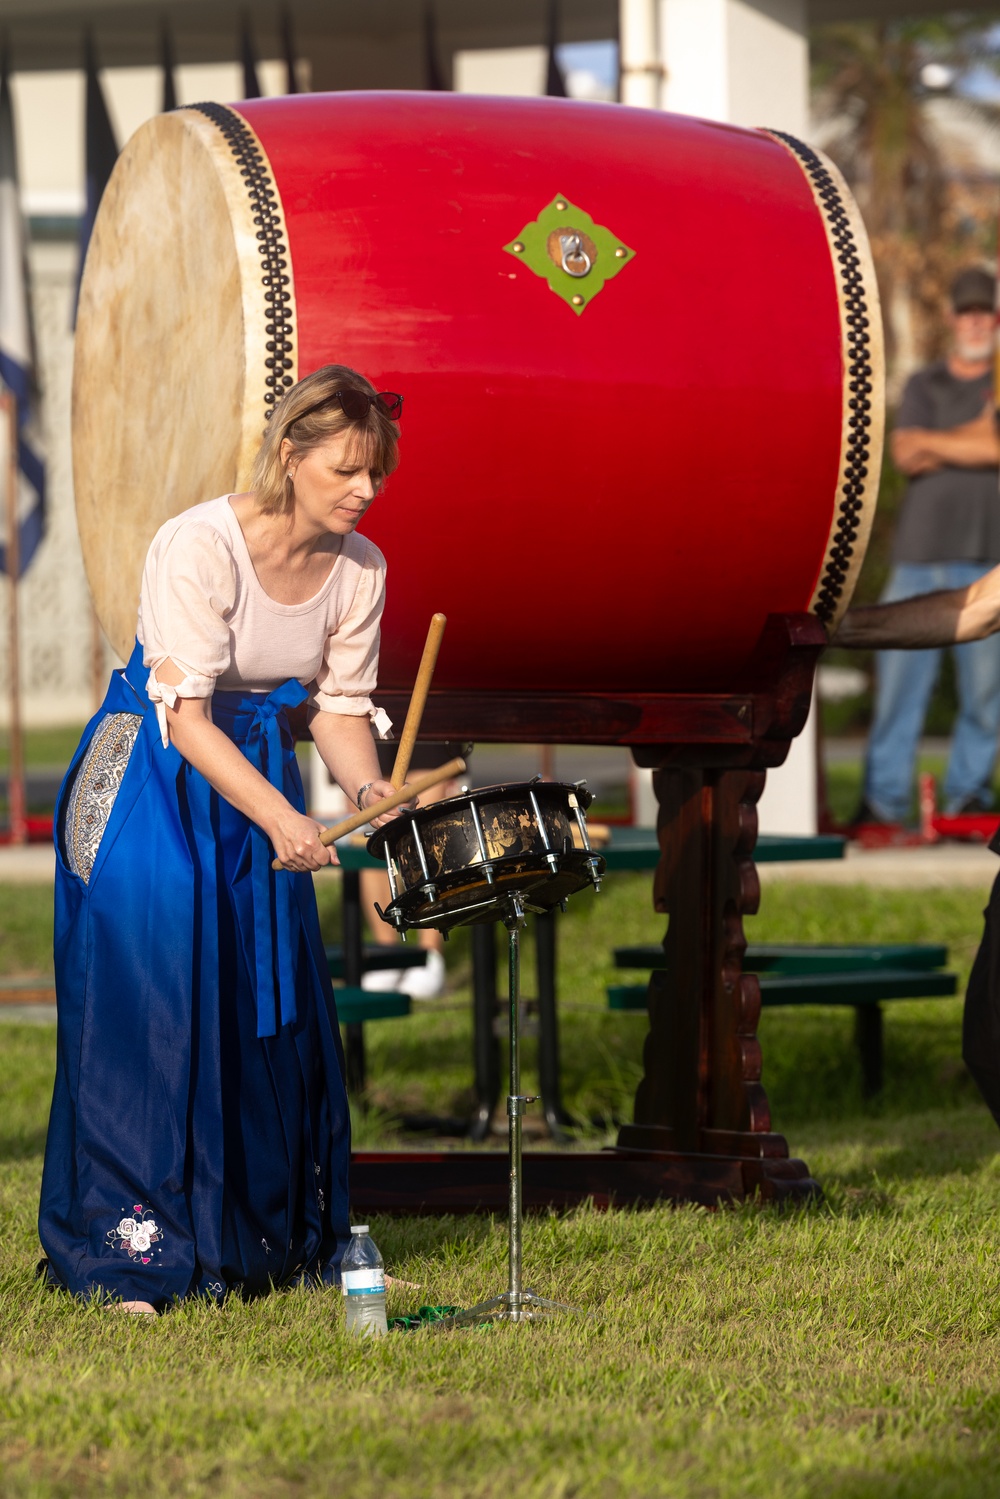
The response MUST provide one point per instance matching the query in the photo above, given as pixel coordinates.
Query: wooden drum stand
(702, 1127)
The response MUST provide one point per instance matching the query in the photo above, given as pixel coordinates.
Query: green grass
(45, 747)
(25, 929)
(422, 1064)
(848, 1351)
(851, 1350)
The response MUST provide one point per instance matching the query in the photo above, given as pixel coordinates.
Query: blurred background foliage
(910, 112)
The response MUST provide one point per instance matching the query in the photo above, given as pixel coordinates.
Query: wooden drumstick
(421, 687)
(387, 804)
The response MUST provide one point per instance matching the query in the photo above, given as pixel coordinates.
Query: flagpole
(15, 774)
(97, 682)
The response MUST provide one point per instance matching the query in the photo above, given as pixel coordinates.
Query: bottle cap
(359, 1228)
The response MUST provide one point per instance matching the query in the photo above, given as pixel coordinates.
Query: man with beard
(948, 536)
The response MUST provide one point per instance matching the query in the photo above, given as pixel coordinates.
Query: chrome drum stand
(490, 855)
(516, 1304)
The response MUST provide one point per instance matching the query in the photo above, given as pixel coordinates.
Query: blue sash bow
(260, 728)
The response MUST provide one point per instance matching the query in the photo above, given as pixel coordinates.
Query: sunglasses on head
(356, 404)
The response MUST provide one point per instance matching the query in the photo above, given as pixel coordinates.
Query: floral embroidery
(136, 1235)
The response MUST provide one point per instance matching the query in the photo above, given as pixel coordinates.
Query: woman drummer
(199, 1135)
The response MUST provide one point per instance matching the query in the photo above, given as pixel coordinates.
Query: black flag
(101, 153)
(251, 83)
(434, 78)
(555, 82)
(288, 46)
(169, 100)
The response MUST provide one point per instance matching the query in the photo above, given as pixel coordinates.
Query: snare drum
(458, 862)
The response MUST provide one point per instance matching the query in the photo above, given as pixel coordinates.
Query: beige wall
(49, 117)
(742, 61)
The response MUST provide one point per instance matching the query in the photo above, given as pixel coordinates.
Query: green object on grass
(804, 958)
(863, 988)
(575, 255)
(355, 1005)
(422, 1317)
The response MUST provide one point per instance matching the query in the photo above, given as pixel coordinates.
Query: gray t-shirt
(953, 514)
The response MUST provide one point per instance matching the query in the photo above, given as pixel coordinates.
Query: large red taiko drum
(640, 353)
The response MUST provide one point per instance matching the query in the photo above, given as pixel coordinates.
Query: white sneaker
(426, 982)
(379, 980)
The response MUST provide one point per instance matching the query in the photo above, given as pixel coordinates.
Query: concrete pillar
(745, 62)
(641, 67)
(789, 802)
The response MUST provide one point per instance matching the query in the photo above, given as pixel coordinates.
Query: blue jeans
(904, 683)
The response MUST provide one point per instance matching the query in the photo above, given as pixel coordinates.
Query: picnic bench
(860, 976)
(628, 849)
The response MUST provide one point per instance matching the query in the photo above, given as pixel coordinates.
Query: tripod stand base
(524, 1307)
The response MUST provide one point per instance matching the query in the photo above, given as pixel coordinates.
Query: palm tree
(874, 85)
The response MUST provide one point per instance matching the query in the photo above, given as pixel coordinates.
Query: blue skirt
(199, 1138)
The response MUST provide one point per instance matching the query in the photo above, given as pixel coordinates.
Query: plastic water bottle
(362, 1280)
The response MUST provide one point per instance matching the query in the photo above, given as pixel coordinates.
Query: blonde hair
(308, 416)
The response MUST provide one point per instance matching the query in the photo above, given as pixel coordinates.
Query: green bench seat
(356, 1006)
(862, 989)
(851, 989)
(805, 958)
(375, 955)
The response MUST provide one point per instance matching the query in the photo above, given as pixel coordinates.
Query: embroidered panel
(93, 793)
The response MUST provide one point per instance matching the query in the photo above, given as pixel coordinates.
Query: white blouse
(202, 606)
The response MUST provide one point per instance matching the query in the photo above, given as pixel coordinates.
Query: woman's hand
(374, 793)
(296, 840)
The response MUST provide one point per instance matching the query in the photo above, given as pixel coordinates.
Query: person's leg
(419, 983)
(974, 745)
(903, 685)
(375, 889)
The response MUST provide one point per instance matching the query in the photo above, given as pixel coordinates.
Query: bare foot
(138, 1308)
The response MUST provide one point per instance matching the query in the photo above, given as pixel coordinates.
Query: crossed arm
(921, 450)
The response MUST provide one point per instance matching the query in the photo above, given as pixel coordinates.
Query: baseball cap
(973, 288)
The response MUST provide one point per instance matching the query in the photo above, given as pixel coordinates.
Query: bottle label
(367, 1282)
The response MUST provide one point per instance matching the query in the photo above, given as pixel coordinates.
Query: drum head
(169, 373)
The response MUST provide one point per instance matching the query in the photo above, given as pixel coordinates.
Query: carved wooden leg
(701, 1095)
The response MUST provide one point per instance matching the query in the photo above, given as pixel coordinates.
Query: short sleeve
(915, 409)
(348, 675)
(188, 590)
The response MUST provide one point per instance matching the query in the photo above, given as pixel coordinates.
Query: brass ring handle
(572, 250)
